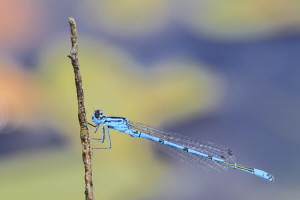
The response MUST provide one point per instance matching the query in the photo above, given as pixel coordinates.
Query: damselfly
(198, 153)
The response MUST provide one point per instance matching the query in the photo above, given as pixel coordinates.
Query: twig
(84, 134)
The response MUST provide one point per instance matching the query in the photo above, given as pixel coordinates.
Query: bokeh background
(221, 71)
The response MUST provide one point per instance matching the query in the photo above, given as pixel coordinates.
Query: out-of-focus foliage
(245, 19)
(114, 82)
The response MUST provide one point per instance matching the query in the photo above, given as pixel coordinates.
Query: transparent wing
(191, 143)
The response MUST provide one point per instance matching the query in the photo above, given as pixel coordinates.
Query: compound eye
(98, 114)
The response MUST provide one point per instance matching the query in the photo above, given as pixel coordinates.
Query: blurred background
(221, 71)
